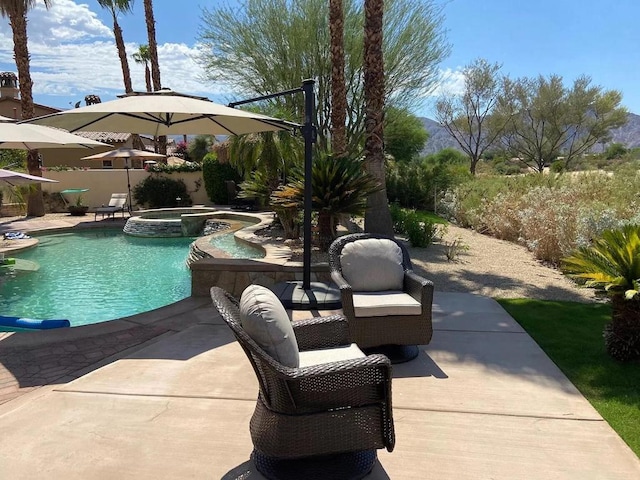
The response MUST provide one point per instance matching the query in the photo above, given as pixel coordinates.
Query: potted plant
(78, 208)
(612, 264)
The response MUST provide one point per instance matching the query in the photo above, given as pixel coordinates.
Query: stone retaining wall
(234, 275)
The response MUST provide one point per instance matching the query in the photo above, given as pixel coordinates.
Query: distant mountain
(439, 138)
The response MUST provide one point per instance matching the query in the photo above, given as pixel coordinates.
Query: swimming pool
(97, 275)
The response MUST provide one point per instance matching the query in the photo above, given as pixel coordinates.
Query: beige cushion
(382, 304)
(266, 321)
(372, 264)
(327, 355)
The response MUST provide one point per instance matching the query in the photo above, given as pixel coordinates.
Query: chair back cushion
(265, 320)
(372, 264)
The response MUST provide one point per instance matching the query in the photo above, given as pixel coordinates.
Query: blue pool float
(32, 323)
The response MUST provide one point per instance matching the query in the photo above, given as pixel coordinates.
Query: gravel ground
(495, 268)
(490, 267)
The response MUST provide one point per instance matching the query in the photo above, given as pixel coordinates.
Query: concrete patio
(482, 401)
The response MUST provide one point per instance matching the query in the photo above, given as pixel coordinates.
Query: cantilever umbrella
(162, 113)
(16, 178)
(25, 136)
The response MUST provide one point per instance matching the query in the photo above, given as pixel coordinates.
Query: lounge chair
(323, 406)
(387, 304)
(116, 204)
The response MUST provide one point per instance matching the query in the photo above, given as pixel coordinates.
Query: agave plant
(612, 264)
(340, 186)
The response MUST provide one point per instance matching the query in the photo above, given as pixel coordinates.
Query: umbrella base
(321, 296)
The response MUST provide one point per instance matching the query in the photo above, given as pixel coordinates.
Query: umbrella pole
(126, 167)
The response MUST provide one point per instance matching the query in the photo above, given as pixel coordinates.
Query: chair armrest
(359, 381)
(346, 293)
(321, 332)
(419, 288)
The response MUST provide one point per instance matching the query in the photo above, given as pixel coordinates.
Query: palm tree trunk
(35, 202)
(147, 77)
(122, 53)
(338, 88)
(377, 218)
(155, 66)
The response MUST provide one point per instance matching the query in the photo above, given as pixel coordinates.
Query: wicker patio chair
(316, 420)
(387, 304)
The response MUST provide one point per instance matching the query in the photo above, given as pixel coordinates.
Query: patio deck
(481, 401)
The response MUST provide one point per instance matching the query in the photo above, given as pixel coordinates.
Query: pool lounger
(32, 323)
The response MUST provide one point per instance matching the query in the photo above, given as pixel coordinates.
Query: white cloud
(73, 54)
(451, 82)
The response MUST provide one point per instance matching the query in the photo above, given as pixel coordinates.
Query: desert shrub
(156, 192)
(550, 214)
(418, 184)
(215, 174)
(420, 233)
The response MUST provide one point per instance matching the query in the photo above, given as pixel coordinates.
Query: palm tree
(340, 185)
(115, 7)
(338, 86)
(153, 57)
(16, 11)
(612, 264)
(377, 218)
(144, 56)
(153, 45)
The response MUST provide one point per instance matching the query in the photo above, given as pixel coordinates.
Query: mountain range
(439, 138)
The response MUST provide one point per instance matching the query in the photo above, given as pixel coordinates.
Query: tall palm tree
(338, 86)
(377, 218)
(155, 66)
(16, 11)
(144, 56)
(115, 7)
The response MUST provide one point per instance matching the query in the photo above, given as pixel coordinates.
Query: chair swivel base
(395, 353)
(339, 466)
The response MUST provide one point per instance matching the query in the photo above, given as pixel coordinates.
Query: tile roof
(105, 136)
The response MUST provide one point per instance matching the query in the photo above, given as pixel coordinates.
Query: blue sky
(73, 53)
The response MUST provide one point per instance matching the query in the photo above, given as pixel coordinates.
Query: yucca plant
(340, 186)
(612, 264)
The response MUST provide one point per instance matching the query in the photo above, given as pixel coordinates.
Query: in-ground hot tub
(169, 222)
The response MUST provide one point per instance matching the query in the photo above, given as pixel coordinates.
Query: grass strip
(570, 334)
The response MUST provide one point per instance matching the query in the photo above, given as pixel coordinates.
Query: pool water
(236, 249)
(97, 275)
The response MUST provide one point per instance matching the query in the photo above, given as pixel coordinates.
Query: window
(107, 163)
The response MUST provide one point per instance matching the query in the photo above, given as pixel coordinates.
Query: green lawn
(571, 335)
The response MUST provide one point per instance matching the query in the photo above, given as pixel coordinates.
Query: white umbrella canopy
(24, 136)
(16, 178)
(131, 153)
(162, 113)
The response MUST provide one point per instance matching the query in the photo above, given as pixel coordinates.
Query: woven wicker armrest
(322, 332)
(418, 287)
(360, 381)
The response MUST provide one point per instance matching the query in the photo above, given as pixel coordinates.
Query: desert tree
(467, 115)
(547, 120)
(264, 46)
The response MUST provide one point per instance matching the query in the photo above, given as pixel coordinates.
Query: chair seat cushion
(309, 358)
(372, 264)
(265, 320)
(382, 304)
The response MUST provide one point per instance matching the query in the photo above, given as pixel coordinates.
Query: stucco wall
(102, 183)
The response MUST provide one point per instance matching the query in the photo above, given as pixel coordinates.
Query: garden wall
(102, 183)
